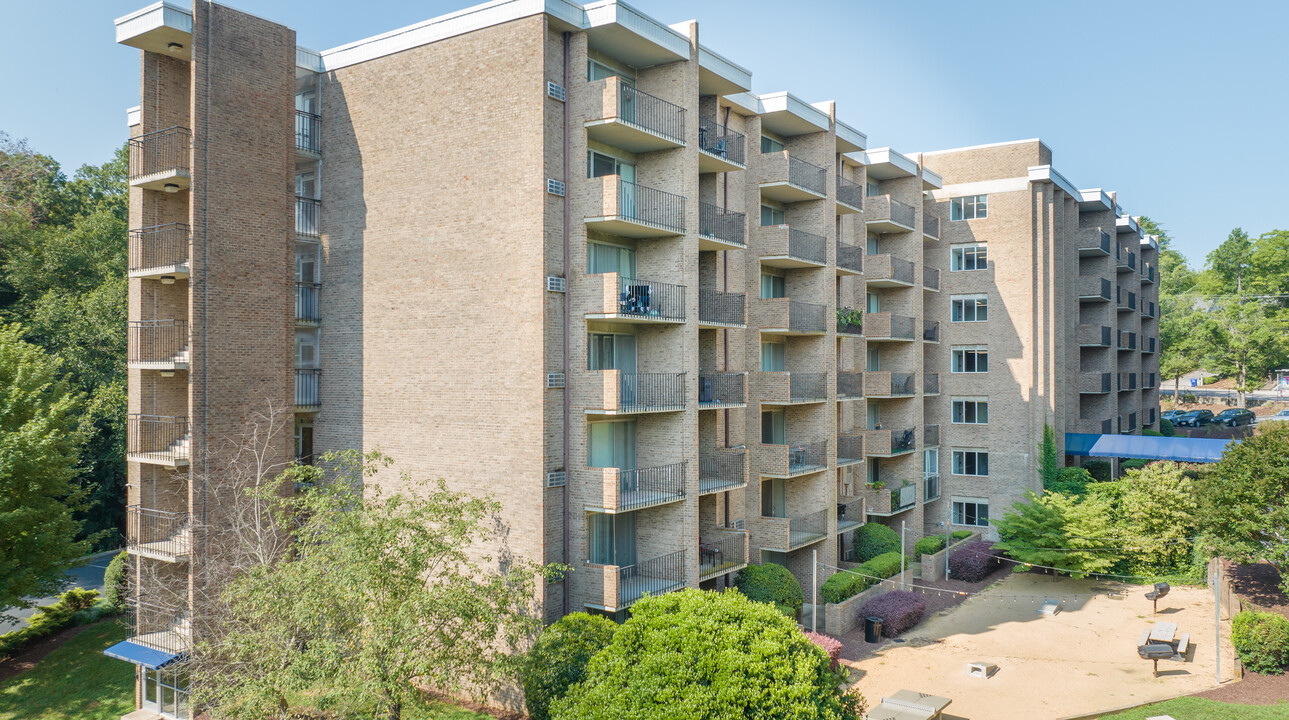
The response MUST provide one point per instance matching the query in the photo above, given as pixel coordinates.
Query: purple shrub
(973, 562)
(832, 646)
(899, 610)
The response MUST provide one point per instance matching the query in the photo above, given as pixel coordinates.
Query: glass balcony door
(602, 165)
(613, 445)
(611, 539)
(774, 498)
(773, 357)
(612, 351)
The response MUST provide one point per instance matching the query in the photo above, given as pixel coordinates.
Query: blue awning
(1146, 447)
(133, 652)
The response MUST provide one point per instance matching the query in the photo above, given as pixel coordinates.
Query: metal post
(814, 591)
(948, 535)
(1217, 616)
(902, 554)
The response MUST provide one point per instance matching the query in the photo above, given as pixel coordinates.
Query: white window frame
(978, 253)
(969, 207)
(782, 216)
(973, 407)
(773, 141)
(960, 454)
(977, 303)
(959, 511)
(956, 366)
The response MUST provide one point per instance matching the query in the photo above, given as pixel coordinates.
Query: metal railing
(716, 222)
(1147, 345)
(931, 330)
(850, 384)
(901, 383)
(156, 340)
(931, 435)
(720, 141)
(807, 246)
(721, 554)
(648, 112)
(802, 456)
(1127, 381)
(722, 308)
(1150, 382)
(808, 527)
(931, 383)
(850, 257)
(886, 325)
(308, 383)
(930, 277)
(650, 299)
(161, 435)
(160, 628)
(889, 267)
(642, 487)
(1148, 272)
(1148, 308)
(1098, 335)
(722, 389)
(722, 470)
(903, 440)
(1093, 287)
(651, 391)
(850, 448)
(1100, 241)
(806, 387)
(157, 531)
(651, 206)
(159, 246)
(807, 175)
(903, 497)
(885, 207)
(1094, 383)
(930, 224)
(850, 192)
(653, 577)
(307, 126)
(306, 302)
(308, 211)
(160, 151)
(1127, 340)
(806, 317)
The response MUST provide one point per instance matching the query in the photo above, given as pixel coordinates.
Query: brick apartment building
(673, 326)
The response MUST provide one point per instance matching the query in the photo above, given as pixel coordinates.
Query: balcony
(721, 553)
(1148, 309)
(1127, 381)
(628, 118)
(930, 384)
(630, 393)
(1127, 340)
(850, 385)
(633, 301)
(308, 385)
(308, 134)
(158, 345)
(1094, 427)
(160, 252)
(1125, 261)
(1093, 336)
(718, 309)
(930, 278)
(850, 515)
(1148, 345)
(720, 149)
(931, 331)
(1149, 381)
(161, 160)
(790, 179)
(160, 628)
(885, 502)
(850, 323)
(887, 215)
(631, 210)
(788, 534)
(157, 534)
(888, 271)
(789, 247)
(889, 443)
(931, 436)
(785, 461)
(850, 196)
(308, 214)
(882, 384)
(789, 388)
(850, 449)
(722, 390)
(307, 311)
(1148, 273)
(720, 229)
(639, 488)
(850, 259)
(930, 222)
(1091, 383)
(782, 316)
(721, 470)
(1125, 299)
(1096, 244)
(887, 327)
(623, 585)
(1092, 289)
(157, 440)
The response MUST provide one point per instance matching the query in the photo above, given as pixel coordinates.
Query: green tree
(1059, 531)
(39, 442)
(1049, 463)
(1158, 518)
(1245, 338)
(694, 655)
(559, 658)
(1242, 500)
(1229, 265)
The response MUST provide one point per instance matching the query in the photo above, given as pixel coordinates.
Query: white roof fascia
(931, 178)
(1098, 196)
(156, 15)
(851, 135)
(612, 12)
(746, 101)
(885, 155)
(308, 59)
(724, 68)
(1046, 173)
(133, 116)
(786, 102)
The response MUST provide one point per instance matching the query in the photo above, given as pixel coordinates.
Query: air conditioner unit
(738, 524)
(555, 187)
(554, 379)
(556, 91)
(555, 283)
(556, 478)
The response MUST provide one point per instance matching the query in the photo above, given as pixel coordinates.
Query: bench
(1145, 637)
(1182, 646)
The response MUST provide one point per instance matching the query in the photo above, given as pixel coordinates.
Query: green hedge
(1134, 464)
(883, 566)
(559, 658)
(929, 545)
(74, 607)
(1262, 641)
(1098, 469)
(773, 584)
(873, 539)
(960, 535)
(842, 586)
(1166, 427)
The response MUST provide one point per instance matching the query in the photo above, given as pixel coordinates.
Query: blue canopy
(1146, 447)
(149, 658)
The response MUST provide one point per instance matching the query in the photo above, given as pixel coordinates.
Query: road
(88, 576)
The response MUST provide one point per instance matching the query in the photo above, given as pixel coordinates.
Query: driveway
(89, 576)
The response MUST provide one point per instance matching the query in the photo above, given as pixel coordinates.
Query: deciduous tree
(1059, 531)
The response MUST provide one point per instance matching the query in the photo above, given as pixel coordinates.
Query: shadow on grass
(74, 682)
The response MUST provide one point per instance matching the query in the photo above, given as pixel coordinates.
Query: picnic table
(1165, 633)
(910, 705)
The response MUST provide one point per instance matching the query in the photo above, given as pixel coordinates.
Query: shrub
(116, 581)
(1166, 427)
(1262, 641)
(772, 584)
(899, 610)
(842, 586)
(929, 545)
(1098, 469)
(832, 646)
(559, 657)
(883, 566)
(1071, 481)
(1152, 433)
(1135, 464)
(973, 562)
(68, 611)
(960, 535)
(873, 539)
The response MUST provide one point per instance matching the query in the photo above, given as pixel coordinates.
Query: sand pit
(1080, 661)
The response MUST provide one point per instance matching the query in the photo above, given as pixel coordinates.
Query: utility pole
(948, 535)
(814, 591)
(1217, 616)
(902, 556)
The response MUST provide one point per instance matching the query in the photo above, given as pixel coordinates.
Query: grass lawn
(74, 682)
(1188, 708)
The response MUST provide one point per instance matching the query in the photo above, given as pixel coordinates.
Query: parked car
(1194, 418)
(1282, 416)
(1171, 415)
(1232, 417)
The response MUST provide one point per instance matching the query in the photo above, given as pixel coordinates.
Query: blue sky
(1179, 106)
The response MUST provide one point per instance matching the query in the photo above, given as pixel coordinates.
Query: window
(599, 165)
(971, 512)
(971, 462)
(306, 349)
(772, 430)
(598, 71)
(969, 308)
(873, 358)
(968, 257)
(970, 359)
(612, 445)
(772, 286)
(771, 216)
(872, 302)
(772, 356)
(871, 189)
(971, 207)
(970, 411)
(770, 145)
(609, 351)
(871, 246)
(611, 539)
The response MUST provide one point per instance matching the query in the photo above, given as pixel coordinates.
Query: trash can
(872, 629)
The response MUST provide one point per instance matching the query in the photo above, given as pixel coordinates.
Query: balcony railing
(1148, 308)
(645, 111)
(722, 389)
(650, 299)
(158, 534)
(1094, 383)
(645, 487)
(642, 392)
(930, 383)
(1098, 242)
(850, 515)
(721, 308)
(806, 457)
(794, 316)
(1147, 272)
(307, 387)
(883, 210)
(930, 277)
(1094, 335)
(889, 442)
(1127, 381)
(721, 470)
(1125, 299)
(1148, 345)
(807, 387)
(930, 223)
(931, 331)
(720, 141)
(850, 193)
(721, 224)
(651, 206)
(890, 384)
(157, 341)
(306, 302)
(793, 533)
(308, 211)
(931, 435)
(850, 257)
(850, 385)
(656, 576)
(850, 328)
(1127, 340)
(886, 269)
(807, 175)
(722, 554)
(1093, 288)
(785, 241)
(885, 326)
(1150, 381)
(307, 131)
(161, 246)
(162, 152)
(850, 449)
(157, 438)
(160, 628)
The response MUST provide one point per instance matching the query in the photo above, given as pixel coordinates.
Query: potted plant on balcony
(850, 319)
